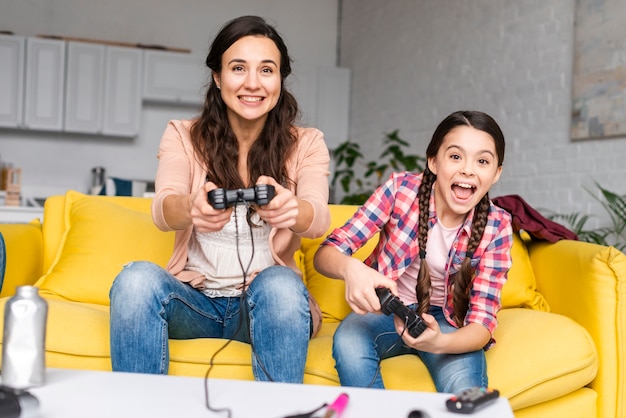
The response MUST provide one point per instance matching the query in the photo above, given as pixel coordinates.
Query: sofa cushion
(519, 290)
(77, 336)
(3, 258)
(329, 293)
(24, 249)
(100, 236)
(528, 341)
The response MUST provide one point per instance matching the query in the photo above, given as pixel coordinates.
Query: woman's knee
(279, 283)
(137, 279)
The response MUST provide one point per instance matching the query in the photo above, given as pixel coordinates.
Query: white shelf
(19, 214)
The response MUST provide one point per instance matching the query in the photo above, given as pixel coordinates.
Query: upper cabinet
(172, 77)
(323, 95)
(45, 84)
(333, 104)
(98, 88)
(122, 98)
(84, 93)
(103, 94)
(78, 87)
(11, 80)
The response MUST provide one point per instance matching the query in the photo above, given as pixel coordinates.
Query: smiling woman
(250, 85)
(232, 273)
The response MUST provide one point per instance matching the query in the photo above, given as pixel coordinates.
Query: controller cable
(242, 306)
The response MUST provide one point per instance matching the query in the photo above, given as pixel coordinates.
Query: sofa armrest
(24, 255)
(587, 282)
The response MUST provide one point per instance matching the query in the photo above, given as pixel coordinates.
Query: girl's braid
(422, 287)
(462, 280)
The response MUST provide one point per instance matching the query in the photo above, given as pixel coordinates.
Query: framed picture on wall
(599, 79)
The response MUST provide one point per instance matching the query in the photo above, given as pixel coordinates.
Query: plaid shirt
(393, 210)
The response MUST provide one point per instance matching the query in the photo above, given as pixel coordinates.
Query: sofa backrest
(88, 239)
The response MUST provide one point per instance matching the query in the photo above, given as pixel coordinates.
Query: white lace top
(217, 254)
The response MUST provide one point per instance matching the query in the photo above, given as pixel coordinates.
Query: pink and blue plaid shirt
(393, 210)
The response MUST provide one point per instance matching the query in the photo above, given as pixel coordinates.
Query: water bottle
(16, 403)
(23, 344)
(98, 175)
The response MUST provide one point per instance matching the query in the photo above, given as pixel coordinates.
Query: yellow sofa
(560, 340)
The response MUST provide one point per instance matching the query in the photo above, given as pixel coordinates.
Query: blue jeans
(150, 306)
(361, 341)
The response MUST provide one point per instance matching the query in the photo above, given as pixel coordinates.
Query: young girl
(232, 273)
(444, 250)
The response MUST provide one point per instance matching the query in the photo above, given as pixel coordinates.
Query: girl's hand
(470, 337)
(282, 210)
(204, 217)
(428, 341)
(361, 283)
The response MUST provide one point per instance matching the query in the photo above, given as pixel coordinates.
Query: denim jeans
(150, 306)
(361, 341)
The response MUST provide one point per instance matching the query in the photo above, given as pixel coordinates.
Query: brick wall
(413, 62)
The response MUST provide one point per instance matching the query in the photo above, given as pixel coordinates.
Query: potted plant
(348, 157)
(615, 234)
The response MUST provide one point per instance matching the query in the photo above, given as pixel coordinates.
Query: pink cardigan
(180, 173)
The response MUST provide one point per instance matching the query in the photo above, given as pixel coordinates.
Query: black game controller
(389, 304)
(261, 194)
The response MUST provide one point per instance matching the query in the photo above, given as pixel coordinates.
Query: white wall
(55, 162)
(414, 62)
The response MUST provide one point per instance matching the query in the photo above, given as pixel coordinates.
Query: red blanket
(528, 219)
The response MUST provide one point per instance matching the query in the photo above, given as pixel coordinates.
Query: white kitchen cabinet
(122, 91)
(45, 84)
(84, 93)
(12, 50)
(333, 105)
(103, 92)
(174, 77)
(323, 95)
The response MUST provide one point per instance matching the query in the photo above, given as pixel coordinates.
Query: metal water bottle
(16, 403)
(23, 344)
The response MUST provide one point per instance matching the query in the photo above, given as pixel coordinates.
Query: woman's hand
(282, 211)
(204, 217)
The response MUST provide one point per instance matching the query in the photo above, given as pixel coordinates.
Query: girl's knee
(349, 340)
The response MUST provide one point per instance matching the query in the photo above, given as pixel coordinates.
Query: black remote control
(261, 194)
(471, 400)
(389, 304)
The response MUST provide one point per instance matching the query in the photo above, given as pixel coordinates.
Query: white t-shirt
(440, 240)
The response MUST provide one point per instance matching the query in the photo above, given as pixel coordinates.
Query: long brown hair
(462, 280)
(213, 139)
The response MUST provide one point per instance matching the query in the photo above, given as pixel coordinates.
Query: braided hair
(462, 280)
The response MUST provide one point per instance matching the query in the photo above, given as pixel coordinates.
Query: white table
(80, 394)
